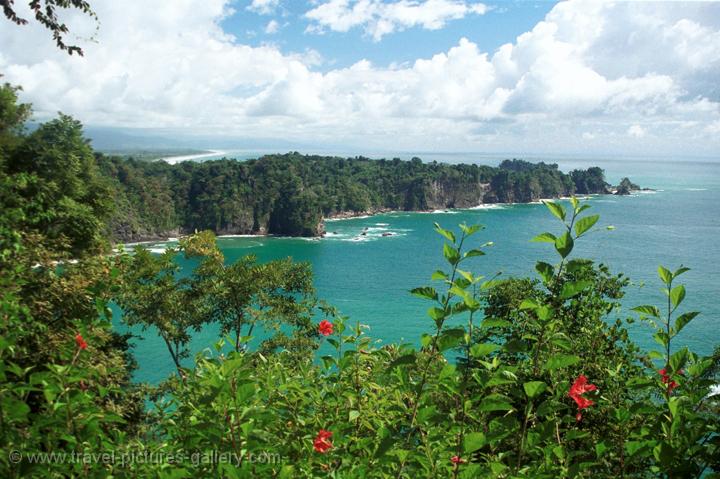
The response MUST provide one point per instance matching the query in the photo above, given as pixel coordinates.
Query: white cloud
(272, 27)
(616, 71)
(379, 18)
(263, 7)
(636, 131)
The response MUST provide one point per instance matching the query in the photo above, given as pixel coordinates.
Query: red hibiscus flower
(457, 460)
(325, 328)
(671, 384)
(322, 442)
(580, 387)
(80, 341)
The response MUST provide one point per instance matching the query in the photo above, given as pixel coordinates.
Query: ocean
(368, 277)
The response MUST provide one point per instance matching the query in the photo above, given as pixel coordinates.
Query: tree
(55, 188)
(46, 13)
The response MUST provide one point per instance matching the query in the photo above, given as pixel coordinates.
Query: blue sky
(579, 78)
(502, 24)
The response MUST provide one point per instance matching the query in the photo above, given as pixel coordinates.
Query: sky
(517, 77)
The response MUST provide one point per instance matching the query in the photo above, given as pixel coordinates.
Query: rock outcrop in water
(626, 187)
(291, 194)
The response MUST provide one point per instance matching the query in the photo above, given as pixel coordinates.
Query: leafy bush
(516, 378)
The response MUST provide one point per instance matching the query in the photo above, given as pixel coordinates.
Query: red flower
(325, 328)
(671, 384)
(80, 341)
(580, 387)
(457, 460)
(322, 442)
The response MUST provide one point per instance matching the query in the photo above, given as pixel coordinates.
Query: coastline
(348, 215)
(177, 159)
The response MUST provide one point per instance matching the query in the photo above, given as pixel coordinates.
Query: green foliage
(51, 184)
(290, 194)
(518, 377)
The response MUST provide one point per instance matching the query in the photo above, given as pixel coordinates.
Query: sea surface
(368, 277)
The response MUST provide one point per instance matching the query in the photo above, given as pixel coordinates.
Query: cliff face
(455, 194)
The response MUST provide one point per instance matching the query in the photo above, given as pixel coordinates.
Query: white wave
(371, 236)
(239, 236)
(695, 189)
(444, 212)
(487, 206)
(382, 224)
(330, 220)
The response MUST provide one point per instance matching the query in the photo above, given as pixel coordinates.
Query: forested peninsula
(291, 194)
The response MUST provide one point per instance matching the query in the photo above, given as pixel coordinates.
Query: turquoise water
(368, 277)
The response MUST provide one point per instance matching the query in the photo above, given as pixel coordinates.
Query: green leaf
(584, 224)
(573, 288)
(286, 472)
(474, 441)
(436, 313)
(679, 271)
(544, 238)
(665, 275)
(677, 294)
(425, 292)
(467, 275)
(679, 359)
(633, 447)
(556, 209)
(534, 388)
(439, 275)
(405, 359)
(574, 202)
(451, 254)
(544, 312)
(564, 244)
(474, 252)
(661, 338)
(684, 319)
(495, 402)
(582, 208)
(558, 361)
(483, 349)
(353, 415)
(664, 453)
(600, 449)
(648, 310)
(527, 304)
(450, 338)
(385, 444)
(495, 323)
(447, 234)
(546, 270)
(470, 230)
